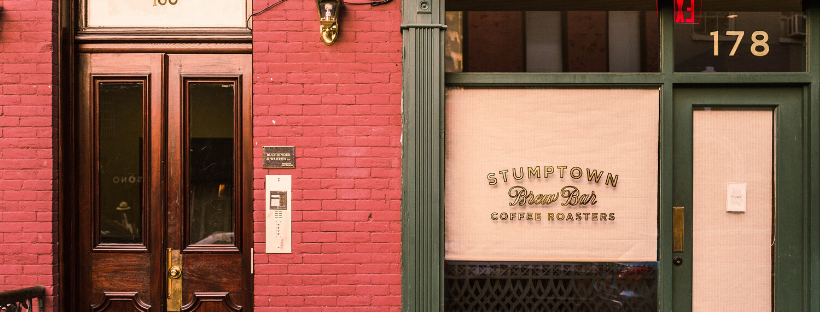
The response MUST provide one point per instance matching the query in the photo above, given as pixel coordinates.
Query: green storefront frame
(424, 83)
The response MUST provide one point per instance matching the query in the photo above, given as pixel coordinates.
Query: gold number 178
(755, 42)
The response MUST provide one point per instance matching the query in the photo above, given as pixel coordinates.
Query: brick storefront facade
(339, 106)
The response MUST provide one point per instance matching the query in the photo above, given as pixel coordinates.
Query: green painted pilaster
(667, 286)
(813, 111)
(422, 159)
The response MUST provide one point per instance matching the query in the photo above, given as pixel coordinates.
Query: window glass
(120, 161)
(733, 211)
(546, 209)
(740, 36)
(211, 159)
(529, 36)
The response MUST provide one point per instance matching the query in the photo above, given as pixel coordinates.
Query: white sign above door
(166, 13)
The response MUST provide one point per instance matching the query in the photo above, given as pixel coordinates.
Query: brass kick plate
(677, 229)
(173, 274)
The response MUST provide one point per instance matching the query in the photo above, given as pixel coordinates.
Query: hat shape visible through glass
(123, 206)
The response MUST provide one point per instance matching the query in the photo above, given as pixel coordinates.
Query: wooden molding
(130, 296)
(184, 48)
(219, 297)
(210, 35)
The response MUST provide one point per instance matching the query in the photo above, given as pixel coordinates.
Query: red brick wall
(340, 106)
(27, 209)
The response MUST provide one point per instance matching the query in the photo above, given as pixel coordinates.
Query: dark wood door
(164, 182)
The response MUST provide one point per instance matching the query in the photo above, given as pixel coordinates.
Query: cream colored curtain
(732, 251)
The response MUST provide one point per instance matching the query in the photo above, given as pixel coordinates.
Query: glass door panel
(211, 161)
(120, 120)
(733, 210)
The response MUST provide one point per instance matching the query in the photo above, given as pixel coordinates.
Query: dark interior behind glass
(552, 36)
(743, 36)
(211, 162)
(120, 106)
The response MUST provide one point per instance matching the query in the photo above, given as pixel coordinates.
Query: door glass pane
(120, 127)
(211, 162)
(740, 36)
(733, 218)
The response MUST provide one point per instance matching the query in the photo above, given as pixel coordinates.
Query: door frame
(70, 192)
(791, 231)
(67, 46)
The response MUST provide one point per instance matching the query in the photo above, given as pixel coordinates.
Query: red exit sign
(687, 11)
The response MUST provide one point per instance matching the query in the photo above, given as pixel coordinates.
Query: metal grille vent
(550, 286)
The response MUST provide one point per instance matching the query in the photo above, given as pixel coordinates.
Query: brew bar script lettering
(568, 196)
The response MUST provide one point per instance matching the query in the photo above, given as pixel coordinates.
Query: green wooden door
(739, 175)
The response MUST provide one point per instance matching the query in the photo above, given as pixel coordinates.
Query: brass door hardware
(174, 271)
(677, 229)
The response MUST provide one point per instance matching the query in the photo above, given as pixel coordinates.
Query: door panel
(121, 301)
(739, 148)
(206, 96)
(163, 177)
(211, 302)
(119, 265)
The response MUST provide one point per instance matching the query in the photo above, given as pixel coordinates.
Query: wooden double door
(163, 192)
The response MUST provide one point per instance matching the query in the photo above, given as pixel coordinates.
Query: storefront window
(551, 36)
(551, 199)
(740, 36)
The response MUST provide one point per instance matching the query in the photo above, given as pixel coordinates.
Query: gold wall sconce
(328, 17)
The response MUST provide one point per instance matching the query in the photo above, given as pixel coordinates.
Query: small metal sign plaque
(276, 157)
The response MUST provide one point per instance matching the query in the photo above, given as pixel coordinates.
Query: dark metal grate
(550, 286)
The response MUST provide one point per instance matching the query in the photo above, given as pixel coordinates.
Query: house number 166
(163, 2)
(756, 42)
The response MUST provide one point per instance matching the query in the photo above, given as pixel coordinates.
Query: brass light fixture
(328, 17)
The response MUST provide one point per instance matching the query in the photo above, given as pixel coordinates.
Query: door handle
(174, 272)
(678, 229)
